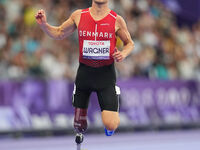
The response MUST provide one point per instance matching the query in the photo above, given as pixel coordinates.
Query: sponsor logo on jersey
(97, 50)
(105, 24)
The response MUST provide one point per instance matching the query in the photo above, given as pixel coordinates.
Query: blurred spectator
(163, 50)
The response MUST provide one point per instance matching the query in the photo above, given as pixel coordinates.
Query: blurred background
(160, 88)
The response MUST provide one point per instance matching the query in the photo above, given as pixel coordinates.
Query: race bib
(97, 50)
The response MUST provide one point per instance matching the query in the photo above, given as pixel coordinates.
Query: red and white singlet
(97, 39)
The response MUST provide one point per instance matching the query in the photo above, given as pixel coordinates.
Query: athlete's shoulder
(113, 14)
(76, 13)
(85, 10)
(120, 19)
(75, 16)
(120, 23)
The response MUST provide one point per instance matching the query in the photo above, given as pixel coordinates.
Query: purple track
(173, 140)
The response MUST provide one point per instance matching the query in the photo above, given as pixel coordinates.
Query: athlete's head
(100, 1)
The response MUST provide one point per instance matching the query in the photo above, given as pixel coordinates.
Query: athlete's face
(100, 1)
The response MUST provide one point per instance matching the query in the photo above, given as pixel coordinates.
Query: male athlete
(97, 27)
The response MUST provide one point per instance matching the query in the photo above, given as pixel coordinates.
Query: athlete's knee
(111, 121)
(80, 120)
(111, 124)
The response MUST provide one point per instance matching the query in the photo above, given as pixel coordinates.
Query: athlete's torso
(97, 39)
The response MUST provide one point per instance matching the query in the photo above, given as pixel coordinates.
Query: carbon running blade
(78, 146)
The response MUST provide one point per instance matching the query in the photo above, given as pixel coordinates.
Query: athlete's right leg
(81, 94)
(80, 124)
(80, 103)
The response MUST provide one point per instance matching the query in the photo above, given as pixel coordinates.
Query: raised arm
(124, 35)
(60, 32)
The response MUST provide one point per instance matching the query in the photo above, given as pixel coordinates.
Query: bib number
(96, 50)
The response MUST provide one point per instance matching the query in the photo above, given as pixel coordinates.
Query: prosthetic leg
(79, 139)
(80, 125)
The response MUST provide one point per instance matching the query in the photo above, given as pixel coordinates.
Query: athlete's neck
(99, 9)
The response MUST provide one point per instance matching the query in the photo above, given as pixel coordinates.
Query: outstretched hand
(41, 17)
(118, 55)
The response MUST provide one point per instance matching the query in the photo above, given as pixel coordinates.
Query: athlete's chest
(97, 32)
(103, 29)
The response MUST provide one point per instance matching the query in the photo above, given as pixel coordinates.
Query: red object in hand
(39, 16)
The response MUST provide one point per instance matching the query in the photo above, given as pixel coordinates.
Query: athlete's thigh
(109, 98)
(81, 98)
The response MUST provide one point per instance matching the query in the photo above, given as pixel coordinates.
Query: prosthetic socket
(80, 120)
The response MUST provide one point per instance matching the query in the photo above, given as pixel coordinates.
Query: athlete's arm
(60, 32)
(124, 35)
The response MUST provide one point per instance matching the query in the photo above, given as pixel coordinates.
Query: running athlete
(97, 27)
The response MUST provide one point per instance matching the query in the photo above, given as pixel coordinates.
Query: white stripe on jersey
(112, 15)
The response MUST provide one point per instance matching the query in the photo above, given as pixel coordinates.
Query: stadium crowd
(163, 50)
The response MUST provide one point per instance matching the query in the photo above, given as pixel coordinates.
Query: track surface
(173, 140)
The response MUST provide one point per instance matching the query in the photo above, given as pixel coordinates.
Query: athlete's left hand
(119, 56)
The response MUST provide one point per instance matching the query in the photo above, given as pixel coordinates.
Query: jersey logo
(105, 24)
(85, 33)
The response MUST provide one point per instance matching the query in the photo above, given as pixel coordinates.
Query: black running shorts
(101, 80)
